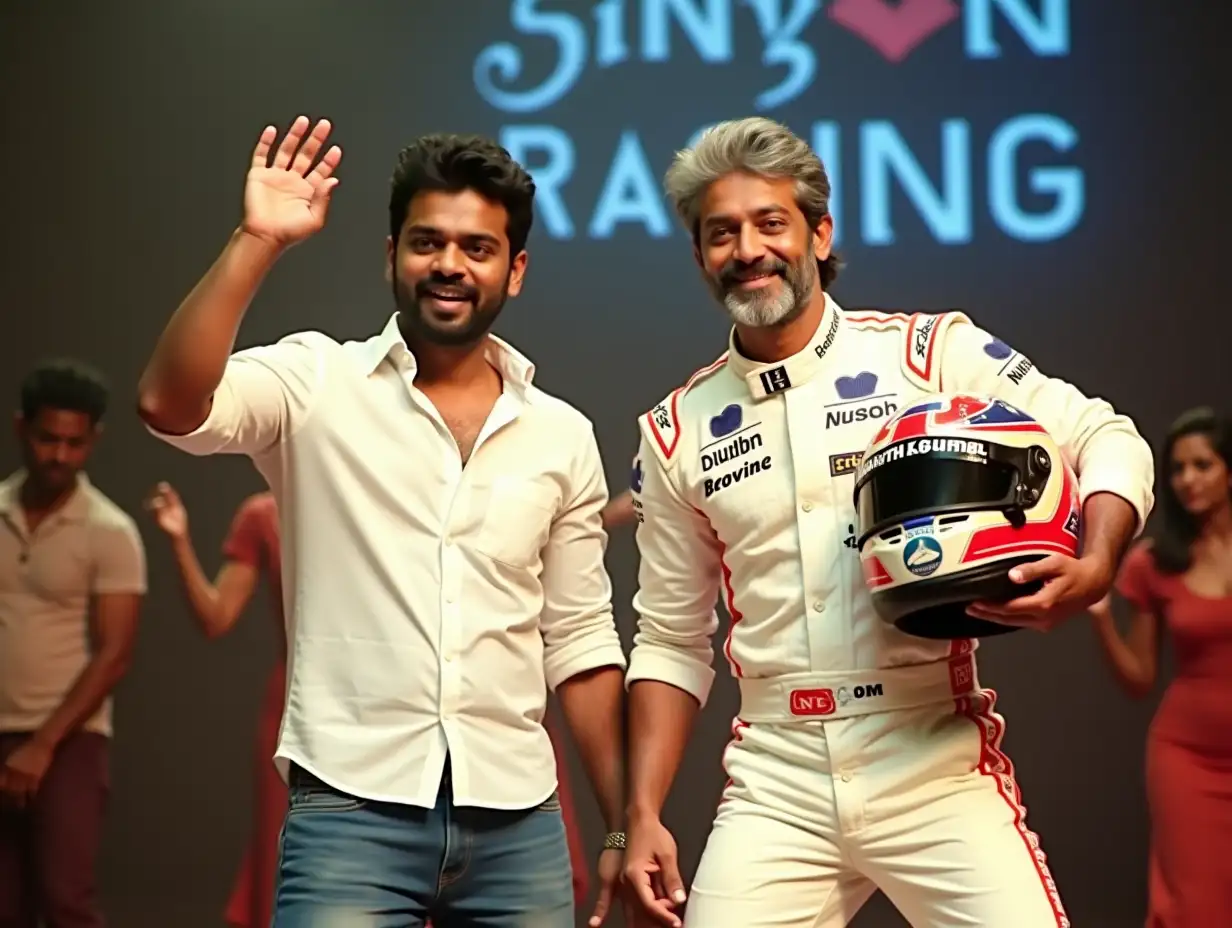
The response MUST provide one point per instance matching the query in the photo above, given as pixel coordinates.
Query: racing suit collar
(767, 379)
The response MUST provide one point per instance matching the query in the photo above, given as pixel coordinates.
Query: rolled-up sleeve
(1102, 445)
(266, 393)
(678, 584)
(579, 630)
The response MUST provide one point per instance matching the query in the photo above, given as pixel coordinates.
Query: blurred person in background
(619, 511)
(1179, 583)
(72, 580)
(251, 552)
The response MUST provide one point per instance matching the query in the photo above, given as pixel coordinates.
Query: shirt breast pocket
(516, 520)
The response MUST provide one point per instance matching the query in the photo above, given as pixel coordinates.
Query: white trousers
(920, 803)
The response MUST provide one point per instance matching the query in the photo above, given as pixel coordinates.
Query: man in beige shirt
(72, 578)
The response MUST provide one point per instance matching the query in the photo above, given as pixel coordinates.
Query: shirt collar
(75, 508)
(515, 367)
(767, 379)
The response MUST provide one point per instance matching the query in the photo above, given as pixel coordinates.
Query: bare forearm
(1131, 670)
(1108, 526)
(192, 352)
(202, 595)
(660, 723)
(619, 511)
(85, 696)
(593, 704)
(1132, 656)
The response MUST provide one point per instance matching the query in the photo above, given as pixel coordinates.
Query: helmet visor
(934, 484)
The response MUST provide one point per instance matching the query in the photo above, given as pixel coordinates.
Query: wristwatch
(614, 841)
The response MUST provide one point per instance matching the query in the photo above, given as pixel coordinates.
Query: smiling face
(756, 249)
(451, 266)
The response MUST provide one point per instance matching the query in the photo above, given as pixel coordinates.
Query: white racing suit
(862, 758)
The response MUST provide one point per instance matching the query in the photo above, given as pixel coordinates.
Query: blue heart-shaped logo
(727, 421)
(852, 388)
(998, 349)
(635, 478)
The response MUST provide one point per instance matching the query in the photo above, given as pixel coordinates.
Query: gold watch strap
(614, 841)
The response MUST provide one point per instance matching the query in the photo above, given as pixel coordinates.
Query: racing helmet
(953, 492)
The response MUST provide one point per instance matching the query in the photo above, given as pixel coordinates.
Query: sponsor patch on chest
(874, 411)
(729, 451)
(847, 462)
(860, 400)
(733, 452)
(743, 467)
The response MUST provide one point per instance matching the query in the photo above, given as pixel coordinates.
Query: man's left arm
(1114, 465)
(118, 588)
(568, 811)
(583, 660)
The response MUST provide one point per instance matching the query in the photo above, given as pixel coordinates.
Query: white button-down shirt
(428, 604)
(744, 480)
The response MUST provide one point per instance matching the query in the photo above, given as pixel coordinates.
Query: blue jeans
(347, 862)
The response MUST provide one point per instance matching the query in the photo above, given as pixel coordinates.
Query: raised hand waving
(286, 199)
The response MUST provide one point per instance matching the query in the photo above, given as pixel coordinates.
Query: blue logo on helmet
(922, 555)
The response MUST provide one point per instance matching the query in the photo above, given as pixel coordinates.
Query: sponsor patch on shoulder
(665, 426)
(920, 343)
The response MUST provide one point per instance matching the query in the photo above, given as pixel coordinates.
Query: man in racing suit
(862, 758)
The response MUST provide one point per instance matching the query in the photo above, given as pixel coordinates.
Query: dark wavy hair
(64, 383)
(1177, 531)
(453, 163)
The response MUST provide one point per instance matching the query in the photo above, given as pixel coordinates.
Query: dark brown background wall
(127, 127)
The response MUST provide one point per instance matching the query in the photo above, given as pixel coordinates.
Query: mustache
(735, 271)
(444, 287)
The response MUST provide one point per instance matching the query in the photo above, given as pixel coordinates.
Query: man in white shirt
(893, 777)
(72, 579)
(442, 550)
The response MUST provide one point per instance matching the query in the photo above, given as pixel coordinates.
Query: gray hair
(747, 146)
(751, 146)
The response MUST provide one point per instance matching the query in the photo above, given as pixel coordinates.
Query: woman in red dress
(251, 550)
(1180, 583)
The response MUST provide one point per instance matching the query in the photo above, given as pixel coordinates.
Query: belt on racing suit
(799, 697)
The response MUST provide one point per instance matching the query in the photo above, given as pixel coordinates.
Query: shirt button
(449, 542)
(819, 606)
(806, 506)
(846, 777)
